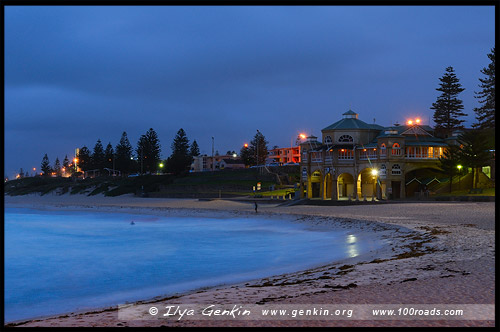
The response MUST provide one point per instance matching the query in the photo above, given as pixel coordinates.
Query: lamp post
(459, 173)
(257, 147)
(213, 163)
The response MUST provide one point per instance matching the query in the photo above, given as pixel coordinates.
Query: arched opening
(316, 182)
(345, 186)
(367, 183)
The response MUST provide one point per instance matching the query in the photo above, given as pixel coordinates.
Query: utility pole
(257, 147)
(213, 161)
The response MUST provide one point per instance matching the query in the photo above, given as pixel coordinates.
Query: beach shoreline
(434, 265)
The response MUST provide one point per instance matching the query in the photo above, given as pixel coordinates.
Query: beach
(449, 259)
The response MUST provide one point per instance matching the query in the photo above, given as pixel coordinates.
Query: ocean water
(64, 261)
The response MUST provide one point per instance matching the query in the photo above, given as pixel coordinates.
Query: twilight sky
(77, 74)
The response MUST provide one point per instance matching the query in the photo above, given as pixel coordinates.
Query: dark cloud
(75, 74)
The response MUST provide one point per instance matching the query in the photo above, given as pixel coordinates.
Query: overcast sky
(77, 74)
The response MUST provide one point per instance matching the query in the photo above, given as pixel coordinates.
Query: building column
(322, 187)
(309, 186)
(334, 189)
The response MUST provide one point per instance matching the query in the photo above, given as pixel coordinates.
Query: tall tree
(109, 156)
(21, 173)
(195, 149)
(148, 151)
(83, 159)
(474, 152)
(45, 166)
(57, 167)
(180, 160)
(449, 161)
(247, 156)
(98, 158)
(258, 147)
(66, 167)
(485, 114)
(448, 108)
(123, 161)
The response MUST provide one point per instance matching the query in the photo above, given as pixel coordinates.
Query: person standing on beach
(255, 207)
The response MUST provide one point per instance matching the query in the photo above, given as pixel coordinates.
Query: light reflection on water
(63, 261)
(352, 245)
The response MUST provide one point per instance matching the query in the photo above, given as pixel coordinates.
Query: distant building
(284, 155)
(360, 160)
(206, 163)
(230, 164)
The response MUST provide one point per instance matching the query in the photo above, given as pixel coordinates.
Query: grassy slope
(228, 182)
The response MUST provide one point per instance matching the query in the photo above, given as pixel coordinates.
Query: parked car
(133, 175)
(290, 164)
(273, 164)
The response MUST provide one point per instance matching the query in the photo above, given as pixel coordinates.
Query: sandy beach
(448, 258)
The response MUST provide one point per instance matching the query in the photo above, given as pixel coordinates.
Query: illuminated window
(346, 154)
(396, 169)
(345, 139)
(383, 170)
(316, 157)
(396, 149)
(383, 150)
(328, 140)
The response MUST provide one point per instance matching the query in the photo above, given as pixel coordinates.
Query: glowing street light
(410, 122)
(374, 172)
(417, 121)
(459, 173)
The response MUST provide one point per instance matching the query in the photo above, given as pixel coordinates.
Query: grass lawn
(486, 192)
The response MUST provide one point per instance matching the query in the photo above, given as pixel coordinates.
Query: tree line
(473, 149)
(145, 159)
(448, 108)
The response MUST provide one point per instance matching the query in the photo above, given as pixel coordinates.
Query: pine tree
(449, 161)
(57, 167)
(83, 159)
(123, 161)
(195, 150)
(67, 168)
(474, 152)
(148, 151)
(21, 173)
(485, 114)
(448, 108)
(45, 166)
(180, 160)
(97, 158)
(247, 156)
(258, 147)
(109, 156)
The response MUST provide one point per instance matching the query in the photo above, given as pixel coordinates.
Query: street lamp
(213, 163)
(459, 173)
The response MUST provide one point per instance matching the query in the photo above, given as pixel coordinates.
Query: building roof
(233, 161)
(408, 130)
(352, 123)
